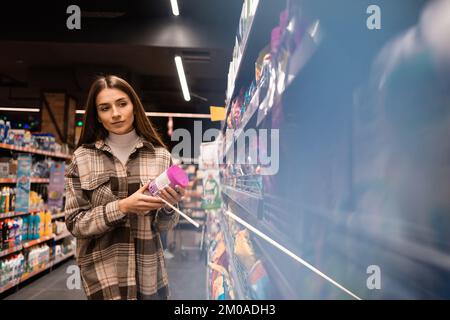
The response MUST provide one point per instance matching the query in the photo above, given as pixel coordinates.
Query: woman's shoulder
(84, 151)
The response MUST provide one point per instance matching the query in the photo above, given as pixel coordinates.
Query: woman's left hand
(172, 196)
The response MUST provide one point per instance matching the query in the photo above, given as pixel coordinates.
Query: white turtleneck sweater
(122, 144)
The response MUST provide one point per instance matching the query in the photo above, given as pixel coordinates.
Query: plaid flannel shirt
(120, 256)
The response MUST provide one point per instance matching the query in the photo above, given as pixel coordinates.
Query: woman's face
(115, 110)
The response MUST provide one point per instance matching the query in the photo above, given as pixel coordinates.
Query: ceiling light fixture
(175, 10)
(20, 109)
(182, 76)
(171, 114)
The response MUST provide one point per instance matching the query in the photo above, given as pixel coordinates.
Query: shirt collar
(101, 145)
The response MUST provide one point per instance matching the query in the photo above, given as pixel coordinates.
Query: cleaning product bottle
(19, 230)
(31, 227)
(11, 233)
(1, 246)
(7, 197)
(25, 228)
(12, 199)
(2, 131)
(7, 130)
(2, 200)
(37, 224)
(48, 224)
(42, 224)
(172, 177)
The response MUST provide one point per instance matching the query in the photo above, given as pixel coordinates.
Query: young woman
(117, 223)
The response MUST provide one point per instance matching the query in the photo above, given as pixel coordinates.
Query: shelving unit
(33, 180)
(35, 151)
(256, 37)
(246, 200)
(241, 195)
(31, 243)
(27, 245)
(58, 216)
(236, 270)
(27, 276)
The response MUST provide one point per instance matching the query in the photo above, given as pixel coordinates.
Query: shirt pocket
(97, 188)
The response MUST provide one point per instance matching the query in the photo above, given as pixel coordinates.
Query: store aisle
(186, 277)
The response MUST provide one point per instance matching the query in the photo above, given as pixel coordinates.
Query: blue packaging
(2, 131)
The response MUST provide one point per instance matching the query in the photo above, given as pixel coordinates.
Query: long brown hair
(93, 130)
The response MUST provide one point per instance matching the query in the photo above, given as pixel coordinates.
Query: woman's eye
(104, 109)
(123, 104)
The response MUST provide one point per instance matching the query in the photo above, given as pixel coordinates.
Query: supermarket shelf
(27, 276)
(35, 151)
(64, 257)
(265, 17)
(246, 200)
(31, 243)
(245, 47)
(241, 293)
(12, 214)
(276, 274)
(249, 113)
(271, 264)
(59, 215)
(251, 109)
(63, 235)
(10, 250)
(33, 180)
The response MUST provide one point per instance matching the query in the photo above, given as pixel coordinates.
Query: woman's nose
(116, 112)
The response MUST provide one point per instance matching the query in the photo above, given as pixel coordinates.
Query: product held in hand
(173, 176)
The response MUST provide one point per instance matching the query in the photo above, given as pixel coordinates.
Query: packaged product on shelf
(11, 269)
(218, 292)
(38, 257)
(221, 285)
(7, 129)
(60, 227)
(5, 234)
(243, 249)
(4, 168)
(3, 200)
(25, 229)
(211, 191)
(12, 198)
(42, 221)
(41, 169)
(30, 233)
(259, 281)
(48, 224)
(36, 202)
(2, 130)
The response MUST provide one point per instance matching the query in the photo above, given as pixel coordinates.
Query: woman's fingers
(174, 193)
(180, 190)
(168, 196)
(150, 199)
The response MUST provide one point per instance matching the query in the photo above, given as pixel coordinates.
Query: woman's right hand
(139, 202)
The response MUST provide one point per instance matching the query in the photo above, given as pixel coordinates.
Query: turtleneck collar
(123, 139)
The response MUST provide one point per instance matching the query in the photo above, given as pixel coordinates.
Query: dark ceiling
(134, 39)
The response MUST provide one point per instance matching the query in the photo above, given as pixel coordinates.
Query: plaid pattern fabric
(120, 256)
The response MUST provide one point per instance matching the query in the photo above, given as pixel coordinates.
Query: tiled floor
(187, 277)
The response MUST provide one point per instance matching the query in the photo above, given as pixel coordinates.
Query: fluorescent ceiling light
(182, 76)
(179, 115)
(20, 109)
(175, 10)
(171, 114)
